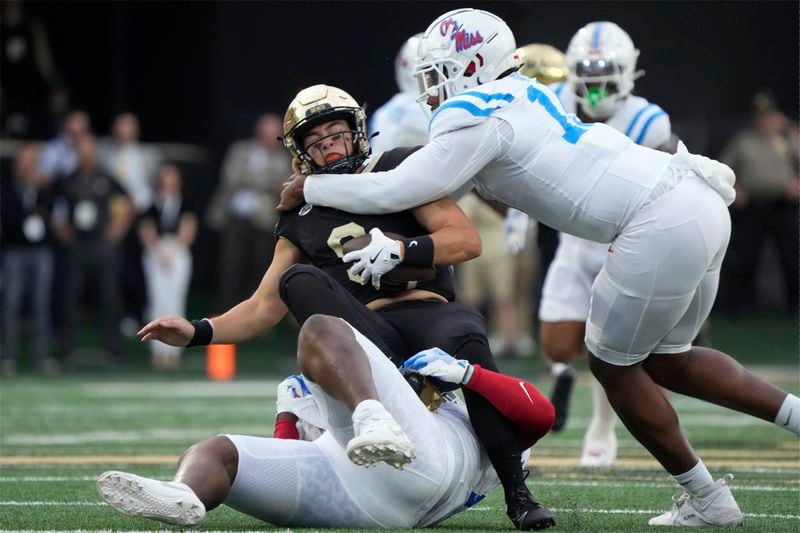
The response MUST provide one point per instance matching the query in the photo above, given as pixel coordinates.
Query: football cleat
(166, 501)
(526, 513)
(599, 452)
(561, 395)
(378, 437)
(717, 508)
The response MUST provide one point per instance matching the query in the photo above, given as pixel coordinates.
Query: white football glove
(438, 364)
(718, 175)
(377, 258)
(516, 229)
(294, 397)
(290, 390)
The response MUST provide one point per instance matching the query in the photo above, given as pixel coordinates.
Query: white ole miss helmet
(462, 49)
(602, 67)
(405, 65)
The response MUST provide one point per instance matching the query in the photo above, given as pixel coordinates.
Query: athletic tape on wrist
(203, 333)
(418, 251)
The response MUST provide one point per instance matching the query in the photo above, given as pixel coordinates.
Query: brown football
(402, 277)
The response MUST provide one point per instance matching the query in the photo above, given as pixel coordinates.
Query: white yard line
(538, 482)
(639, 511)
(555, 509)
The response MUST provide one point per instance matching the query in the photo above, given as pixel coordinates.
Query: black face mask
(347, 164)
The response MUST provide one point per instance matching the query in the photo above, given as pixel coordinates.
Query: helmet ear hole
(470, 70)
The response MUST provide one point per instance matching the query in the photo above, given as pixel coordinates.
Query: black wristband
(203, 333)
(419, 251)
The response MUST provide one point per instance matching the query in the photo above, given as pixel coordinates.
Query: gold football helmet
(542, 62)
(317, 105)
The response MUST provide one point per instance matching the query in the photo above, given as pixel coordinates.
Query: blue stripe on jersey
(650, 120)
(466, 106)
(472, 108)
(596, 35)
(508, 97)
(573, 128)
(636, 118)
(559, 89)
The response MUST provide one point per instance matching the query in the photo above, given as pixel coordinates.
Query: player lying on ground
(325, 130)
(371, 416)
(666, 217)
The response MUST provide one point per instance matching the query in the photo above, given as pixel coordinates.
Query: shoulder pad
(648, 125)
(470, 108)
(391, 158)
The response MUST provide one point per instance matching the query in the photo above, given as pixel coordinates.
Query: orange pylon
(221, 361)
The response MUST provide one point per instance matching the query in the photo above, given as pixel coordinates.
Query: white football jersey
(644, 122)
(514, 140)
(400, 122)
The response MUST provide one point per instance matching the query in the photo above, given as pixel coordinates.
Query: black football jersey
(320, 232)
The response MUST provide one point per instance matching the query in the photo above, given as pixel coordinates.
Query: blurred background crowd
(141, 162)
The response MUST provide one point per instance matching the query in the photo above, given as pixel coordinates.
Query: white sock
(558, 368)
(695, 480)
(367, 404)
(601, 427)
(789, 414)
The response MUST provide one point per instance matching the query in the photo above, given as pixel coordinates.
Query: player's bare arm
(455, 239)
(259, 313)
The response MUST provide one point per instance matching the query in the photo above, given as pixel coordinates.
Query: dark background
(200, 72)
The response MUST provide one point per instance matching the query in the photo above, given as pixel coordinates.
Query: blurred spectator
(59, 157)
(27, 262)
(488, 282)
(134, 166)
(167, 231)
(31, 91)
(765, 159)
(243, 209)
(91, 214)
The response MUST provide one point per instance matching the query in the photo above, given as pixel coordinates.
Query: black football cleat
(527, 514)
(561, 396)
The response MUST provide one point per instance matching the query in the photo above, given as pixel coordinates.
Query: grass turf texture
(59, 434)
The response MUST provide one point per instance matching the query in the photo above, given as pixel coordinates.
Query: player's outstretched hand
(292, 193)
(172, 330)
(437, 363)
(377, 258)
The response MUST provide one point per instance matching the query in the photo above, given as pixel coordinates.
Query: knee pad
(300, 280)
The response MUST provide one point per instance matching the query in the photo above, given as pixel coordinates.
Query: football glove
(515, 227)
(377, 258)
(436, 363)
(718, 175)
(289, 391)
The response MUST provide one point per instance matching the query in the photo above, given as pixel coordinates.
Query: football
(402, 277)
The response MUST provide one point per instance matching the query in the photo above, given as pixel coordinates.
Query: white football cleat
(717, 508)
(599, 453)
(166, 501)
(378, 437)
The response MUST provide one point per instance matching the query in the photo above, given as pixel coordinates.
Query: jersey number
(573, 128)
(348, 231)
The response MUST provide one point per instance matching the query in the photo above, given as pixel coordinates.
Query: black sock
(495, 432)
(507, 461)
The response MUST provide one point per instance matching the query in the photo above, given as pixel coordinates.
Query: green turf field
(58, 434)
